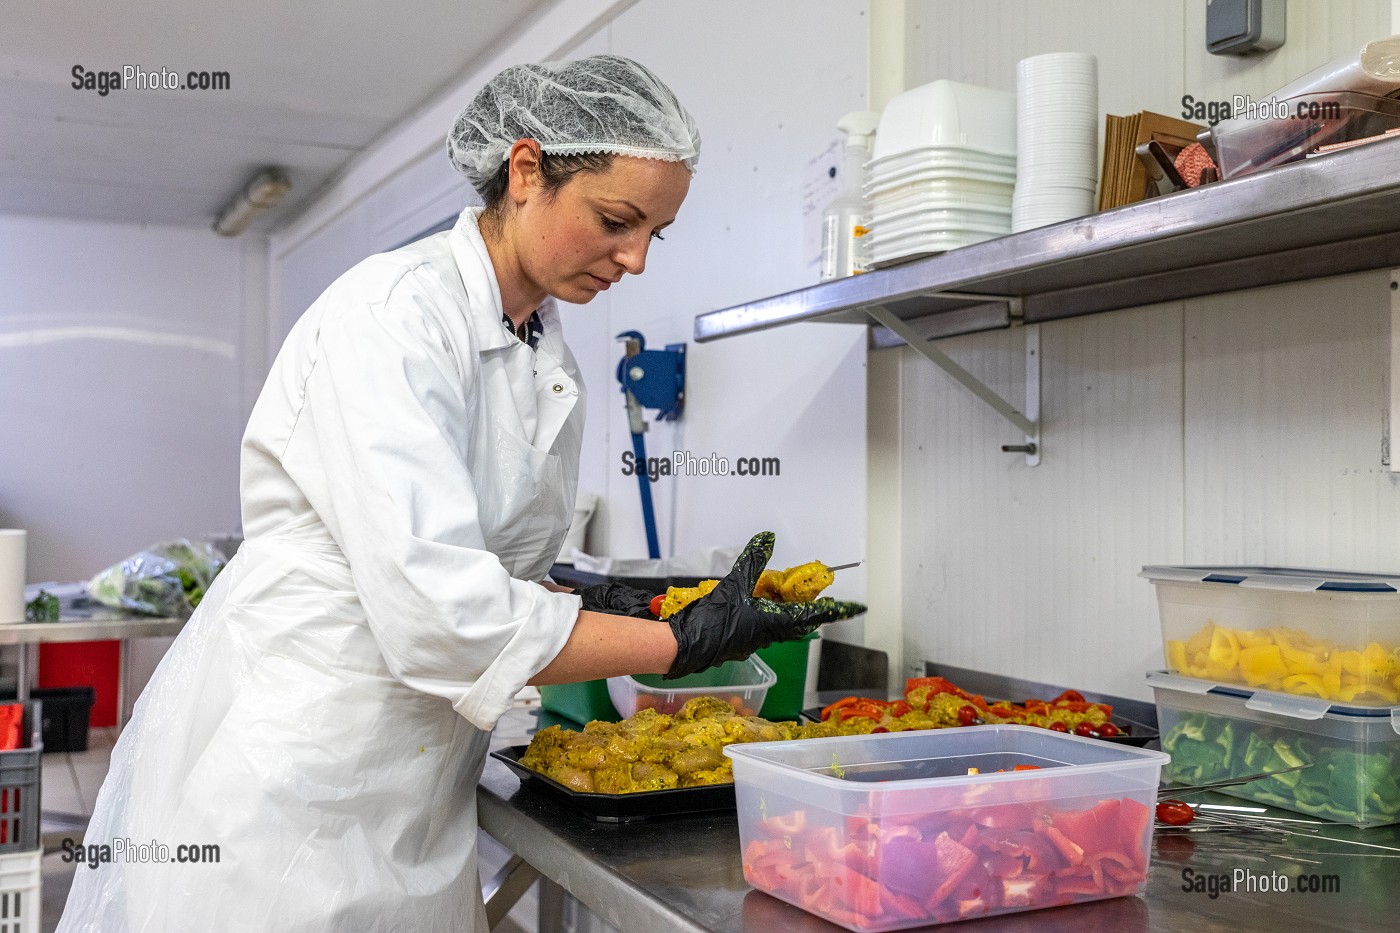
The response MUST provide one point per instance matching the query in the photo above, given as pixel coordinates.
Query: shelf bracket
(1028, 421)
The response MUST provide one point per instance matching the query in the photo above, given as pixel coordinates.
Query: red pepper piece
(1070, 849)
(789, 824)
(839, 704)
(955, 861)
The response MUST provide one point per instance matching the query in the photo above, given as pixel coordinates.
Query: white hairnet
(604, 103)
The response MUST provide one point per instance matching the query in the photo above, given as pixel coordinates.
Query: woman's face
(577, 241)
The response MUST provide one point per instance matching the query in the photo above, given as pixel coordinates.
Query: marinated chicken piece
(697, 758)
(572, 778)
(723, 775)
(703, 708)
(678, 597)
(769, 585)
(650, 751)
(648, 775)
(804, 583)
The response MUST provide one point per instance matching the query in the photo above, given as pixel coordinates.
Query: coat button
(558, 388)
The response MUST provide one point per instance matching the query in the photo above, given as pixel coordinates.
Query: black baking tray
(1133, 732)
(624, 808)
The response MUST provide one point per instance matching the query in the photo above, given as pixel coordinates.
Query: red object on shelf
(11, 718)
(83, 664)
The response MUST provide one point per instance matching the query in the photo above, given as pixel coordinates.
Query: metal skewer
(1192, 788)
(844, 566)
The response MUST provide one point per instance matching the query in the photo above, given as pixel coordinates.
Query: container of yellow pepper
(1330, 635)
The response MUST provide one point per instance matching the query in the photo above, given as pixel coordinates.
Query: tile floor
(69, 786)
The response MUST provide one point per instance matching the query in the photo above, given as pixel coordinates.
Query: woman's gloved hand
(616, 599)
(730, 624)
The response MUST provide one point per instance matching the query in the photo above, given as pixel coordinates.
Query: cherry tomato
(1087, 730)
(1175, 812)
(656, 602)
(1108, 731)
(878, 729)
(1058, 727)
(967, 715)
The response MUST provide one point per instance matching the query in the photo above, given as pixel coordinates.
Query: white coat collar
(474, 264)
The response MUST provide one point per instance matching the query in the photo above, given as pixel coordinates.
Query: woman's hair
(555, 172)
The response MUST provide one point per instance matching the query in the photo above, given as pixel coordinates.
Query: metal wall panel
(1138, 45)
(1032, 571)
(1286, 397)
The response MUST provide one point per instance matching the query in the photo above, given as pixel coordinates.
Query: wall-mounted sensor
(1245, 27)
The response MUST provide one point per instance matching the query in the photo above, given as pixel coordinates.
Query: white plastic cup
(12, 574)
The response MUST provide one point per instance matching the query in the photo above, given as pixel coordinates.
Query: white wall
(125, 373)
(1241, 428)
(766, 84)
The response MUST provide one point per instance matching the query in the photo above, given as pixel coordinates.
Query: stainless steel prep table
(83, 619)
(683, 874)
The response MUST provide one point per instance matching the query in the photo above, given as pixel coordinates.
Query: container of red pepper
(896, 830)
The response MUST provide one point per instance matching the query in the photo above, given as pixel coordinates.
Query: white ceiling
(311, 82)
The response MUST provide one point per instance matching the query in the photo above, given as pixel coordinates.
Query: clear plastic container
(742, 684)
(1285, 131)
(1326, 634)
(886, 832)
(1215, 733)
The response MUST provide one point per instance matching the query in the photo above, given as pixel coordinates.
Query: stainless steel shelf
(1321, 217)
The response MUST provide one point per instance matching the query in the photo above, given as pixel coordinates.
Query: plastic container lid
(1278, 578)
(1280, 704)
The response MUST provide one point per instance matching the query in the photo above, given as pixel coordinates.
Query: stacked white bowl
(1057, 148)
(942, 171)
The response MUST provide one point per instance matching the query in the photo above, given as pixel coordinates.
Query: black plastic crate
(66, 717)
(19, 785)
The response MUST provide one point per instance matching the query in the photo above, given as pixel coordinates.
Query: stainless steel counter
(683, 874)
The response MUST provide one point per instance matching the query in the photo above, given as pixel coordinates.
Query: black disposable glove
(616, 599)
(730, 624)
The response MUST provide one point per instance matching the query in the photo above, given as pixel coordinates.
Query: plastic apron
(251, 737)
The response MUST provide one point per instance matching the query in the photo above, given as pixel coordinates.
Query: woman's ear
(524, 170)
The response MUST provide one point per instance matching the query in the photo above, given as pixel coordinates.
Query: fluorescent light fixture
(260, 194)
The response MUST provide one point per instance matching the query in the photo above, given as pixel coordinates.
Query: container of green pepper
(1215, 732)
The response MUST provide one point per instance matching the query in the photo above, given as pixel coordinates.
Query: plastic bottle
(843, 221)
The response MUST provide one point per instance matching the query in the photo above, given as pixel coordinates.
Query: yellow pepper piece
(1224, 648)
(1369, 692)
(1306, 684)
(1262, 664)
(1254, 638)
(1299, 661)
(1176, 656)
(1351, 662)
(1332, 677)
(1199, 643)
(1376, 661)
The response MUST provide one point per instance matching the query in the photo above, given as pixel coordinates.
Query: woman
(408, 474)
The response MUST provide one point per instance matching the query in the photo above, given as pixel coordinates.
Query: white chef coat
(408, 470)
